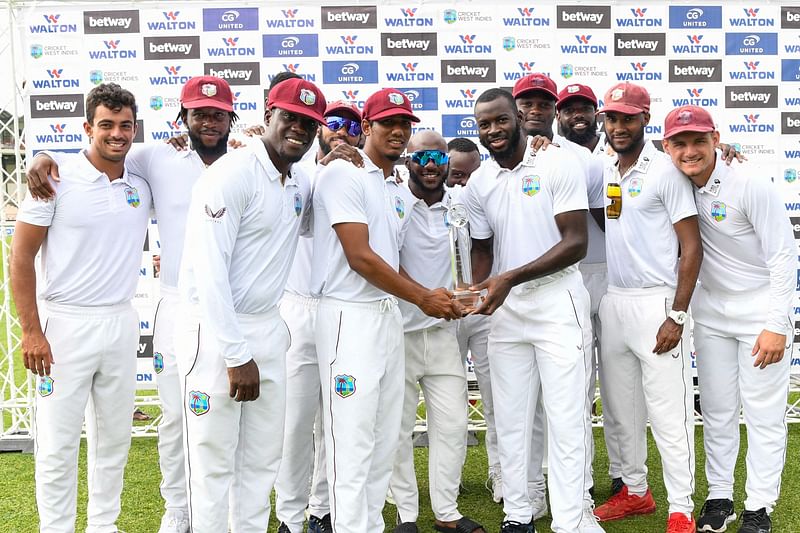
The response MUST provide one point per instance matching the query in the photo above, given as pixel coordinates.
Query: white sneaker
(495, 485)
(589, 521)
(539, 506)
(174, 522)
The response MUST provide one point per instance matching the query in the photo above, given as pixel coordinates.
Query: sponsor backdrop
(739, 60)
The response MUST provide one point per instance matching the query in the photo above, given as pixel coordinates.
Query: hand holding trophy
(460, 260)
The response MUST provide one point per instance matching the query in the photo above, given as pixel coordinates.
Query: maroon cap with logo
(340, 107)
(388, 103)
(626, 98)
(207, 91)
(299, 96)
(687, 118)
(573, 91)
(535, 82)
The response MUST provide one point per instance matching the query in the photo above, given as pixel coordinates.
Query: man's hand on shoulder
(42, 166)
(345, 152)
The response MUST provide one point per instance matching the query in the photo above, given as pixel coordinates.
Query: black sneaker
(283, 528)
(320, 525)
(616, 485)
(756, 522)
(509, 526)
(716, 515)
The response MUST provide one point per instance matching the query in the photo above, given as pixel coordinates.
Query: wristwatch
(679, 317)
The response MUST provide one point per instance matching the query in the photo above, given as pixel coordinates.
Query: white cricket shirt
(299, 281)
(241, 234)
(593, 173)
(424, 253)
(748, 242)
(641, 245)
(96, 228)
(344, 194)
(518, 206)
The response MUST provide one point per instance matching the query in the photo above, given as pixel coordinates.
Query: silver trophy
(460, 259)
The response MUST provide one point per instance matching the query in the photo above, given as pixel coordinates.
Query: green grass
(142, 505)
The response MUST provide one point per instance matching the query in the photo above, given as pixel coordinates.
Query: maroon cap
(687, 118)
(626, 98)
(207, 91)
(535, 82)
(298, 96)
(340, 107)
(388, 103)
(573, 91)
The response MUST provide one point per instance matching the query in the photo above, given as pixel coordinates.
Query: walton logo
(639, 74)
(59, 135)
(410, 74)
(695, 98)
(751, 72)
(173, 76)
(240, 105)
(231, 48)
(583, 46)
(58, 128)
(526, 18)
(290, 20)
(56, 81)
(639, 20)
(752, 18)
(289, 13)
(751, 125)
(408, 19)
(467, 102)
(695, 46)
(171, 22)
(52, 26)
(113, 50)
(468, 46)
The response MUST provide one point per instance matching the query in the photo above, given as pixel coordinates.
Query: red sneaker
(623, 504)
(678, 523)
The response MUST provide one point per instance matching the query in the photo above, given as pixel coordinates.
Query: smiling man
(80, 338)
(741, 320)
(241, 233)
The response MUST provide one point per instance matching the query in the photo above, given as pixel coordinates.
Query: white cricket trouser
(232, 448)
(537, 339)
(632, 318)
(434, 361)
(168, 379)
(361, 365)
(725, 330)
(93, 376)
(473, 337)
(303, 442)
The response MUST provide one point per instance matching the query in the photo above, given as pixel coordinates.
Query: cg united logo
(399, 206)
(344, 385)
(530, 185)
(158, 362)
(199, 402)
(45, 386)
(718, 211)
(635, 188)
(132, 197)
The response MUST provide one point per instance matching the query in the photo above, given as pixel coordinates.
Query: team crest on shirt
(344, 385)
(45, 386)
(719, 211)
(635, 187)
(530, 185)
(399, 206)
(298, 204)
(215, 216)
(158, 362)
(132, 197)
(199, 402)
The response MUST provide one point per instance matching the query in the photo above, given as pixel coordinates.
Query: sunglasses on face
(614, 193)
(421, 157)
(337, 123)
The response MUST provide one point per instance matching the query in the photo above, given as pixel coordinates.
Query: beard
(215, 151)
(414, 177)
(581, 138)
(511, 146)
(637, 140)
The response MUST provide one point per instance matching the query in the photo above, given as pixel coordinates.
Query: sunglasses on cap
(337, 123)
(614, 193)
(421, 157)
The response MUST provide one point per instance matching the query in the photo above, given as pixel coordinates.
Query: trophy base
(469, 299)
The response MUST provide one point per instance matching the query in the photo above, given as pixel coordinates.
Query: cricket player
(241, 234)
(432, 357)
(207, 112)
(539, 304)
(359, 332)
(303, 436)
(536, 96)
(647, 301)
(742, 324)
(80, 332)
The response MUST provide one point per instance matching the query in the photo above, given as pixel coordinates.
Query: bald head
(427, 140)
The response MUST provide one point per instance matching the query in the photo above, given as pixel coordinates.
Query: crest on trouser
(158, 362)
(344, 385)
(45, 386)
(199, 402)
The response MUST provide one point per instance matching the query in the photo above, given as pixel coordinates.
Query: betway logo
(231, 74)
(407, 44)
(694, 71)
(748, 96)
(109, 22)
(55, 105)
(635, 44)
(170, 48)
(346, 16)
(580, 16)
(466, 70)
